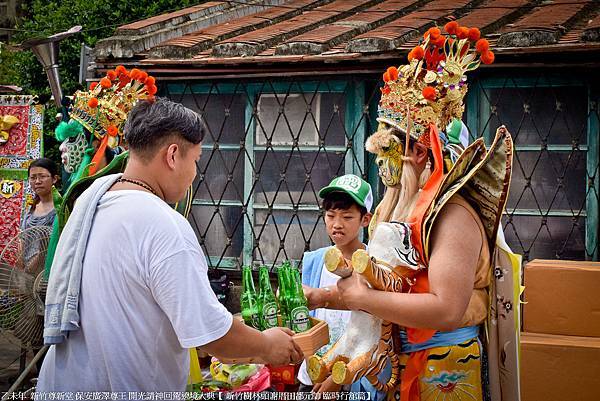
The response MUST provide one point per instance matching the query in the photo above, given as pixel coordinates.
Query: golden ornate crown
(430, 89)
(104, 108)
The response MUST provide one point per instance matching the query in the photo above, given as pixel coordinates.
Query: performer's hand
(502, 130)
(280, 348)
(314, 296)
(353, 291)
(328, 386)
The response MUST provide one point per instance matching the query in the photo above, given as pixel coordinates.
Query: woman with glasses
(43, 174)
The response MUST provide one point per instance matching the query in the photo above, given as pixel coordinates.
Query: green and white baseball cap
(353, 185)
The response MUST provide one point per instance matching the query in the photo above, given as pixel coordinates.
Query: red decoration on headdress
(93, 85)
(111, 75)
(434, 33)
(123, 76)
(112, 130)
(124, 80)
(418, 53)
(429, 93)
(150, 80)
(143, 76)
(482, 46)
(134, 73)
(474, 34)
(434, 55)
(451, 27)
(392, 73)
(487, 57)
(151, 89)
(93, 103)
(386, 77)
(462, 32)
(105, 83)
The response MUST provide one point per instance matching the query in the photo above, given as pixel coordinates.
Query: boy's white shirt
(336, 319)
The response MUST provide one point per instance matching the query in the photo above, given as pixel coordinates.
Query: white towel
(64, 284)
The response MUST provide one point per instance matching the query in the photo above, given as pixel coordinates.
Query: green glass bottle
(282, 296)
(266, 300)
(298, 305)
(249, 299)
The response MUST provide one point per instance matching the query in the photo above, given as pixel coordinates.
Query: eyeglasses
(40, 177)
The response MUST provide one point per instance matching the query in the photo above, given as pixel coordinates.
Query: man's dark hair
(150, 124)
(341, 201)
(44, 163)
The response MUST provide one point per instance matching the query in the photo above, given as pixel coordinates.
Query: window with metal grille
(553, 203)
(270, 147)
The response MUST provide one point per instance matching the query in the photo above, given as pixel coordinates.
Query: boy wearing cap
(347, 203)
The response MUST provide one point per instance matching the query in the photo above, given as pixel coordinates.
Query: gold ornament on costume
(6, 124)
(431, 88)
(425, 114)
(103, 109)
(430, 77)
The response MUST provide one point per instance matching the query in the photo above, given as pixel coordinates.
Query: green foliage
(8, 74)
(99, 19)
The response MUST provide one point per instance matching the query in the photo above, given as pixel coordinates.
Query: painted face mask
(389, 162)
(72, 150)
(74, 144)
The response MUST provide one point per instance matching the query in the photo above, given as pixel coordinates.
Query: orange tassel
(98, 155)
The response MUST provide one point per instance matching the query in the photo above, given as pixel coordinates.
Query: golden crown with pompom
(103, 109)
(430, 89)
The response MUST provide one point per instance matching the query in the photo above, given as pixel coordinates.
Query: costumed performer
(445, 206)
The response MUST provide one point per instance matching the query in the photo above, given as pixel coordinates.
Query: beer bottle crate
(309, 341)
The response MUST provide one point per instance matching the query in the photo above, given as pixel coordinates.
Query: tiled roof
(10, 89)
(246, 31)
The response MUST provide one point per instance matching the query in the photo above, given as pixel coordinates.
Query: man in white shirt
(145, 296)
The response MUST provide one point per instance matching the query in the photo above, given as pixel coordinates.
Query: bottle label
(270, 315)
(300, 321)
(254, 321)
(251, 318)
